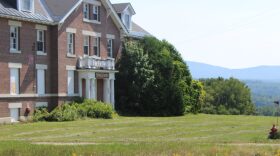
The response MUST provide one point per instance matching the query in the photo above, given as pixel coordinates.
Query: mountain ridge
(263, 72)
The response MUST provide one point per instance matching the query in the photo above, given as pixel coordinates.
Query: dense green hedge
(74, 111)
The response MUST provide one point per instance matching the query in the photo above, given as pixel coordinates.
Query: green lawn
(187, 135)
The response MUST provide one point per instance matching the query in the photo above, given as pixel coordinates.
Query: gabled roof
(57, 9)
(121, 7)
(9, 11)
(138, 32)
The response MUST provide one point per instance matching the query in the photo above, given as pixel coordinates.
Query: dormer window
(127, 21)
(26, 5)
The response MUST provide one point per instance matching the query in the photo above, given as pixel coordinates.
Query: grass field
(174, 136)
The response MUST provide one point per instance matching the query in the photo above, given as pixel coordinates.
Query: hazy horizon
(232, 34)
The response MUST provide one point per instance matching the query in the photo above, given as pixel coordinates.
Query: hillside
(201, 70)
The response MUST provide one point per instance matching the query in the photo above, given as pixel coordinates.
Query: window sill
(71, 55)
(41, 53)
(91, 21)
(15, 51)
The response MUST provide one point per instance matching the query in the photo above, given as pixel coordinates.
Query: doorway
(100, 90)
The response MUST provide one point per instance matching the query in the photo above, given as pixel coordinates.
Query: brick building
(53, 51)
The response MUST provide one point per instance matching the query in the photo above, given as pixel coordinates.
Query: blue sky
(228, 33)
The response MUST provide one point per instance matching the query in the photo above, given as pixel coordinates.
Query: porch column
(106, 90)
(112, 92)
(80, 86)
(87, 88)
(93, 89)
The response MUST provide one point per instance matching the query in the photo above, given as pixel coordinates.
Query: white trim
(36, 95)
(15, 105)
(15, 65)
(14, 23)
(41, 67)
(91, 33)
(41, 104)
(41, 27)
(70, 11)
(94, 2)
(110, 36)
(15, 51)
(91, 21)
(70, 67)
(41, 53)
(71, 55)
(71, 30)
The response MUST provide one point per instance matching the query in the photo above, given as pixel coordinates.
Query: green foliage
(74, 111)
(94, 109)
(227, 96)
(64, 112)
(153, 79)
(40, 114)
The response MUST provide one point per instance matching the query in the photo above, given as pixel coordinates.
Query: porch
(97, 79)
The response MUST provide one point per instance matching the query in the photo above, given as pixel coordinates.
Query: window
(86, 45)
(86, 11)
(127, 21)
(70, 43)
(70, 82)
(96, 46)
(41, 81)
(96, 13)
(14, 38)
(26, 5)
(110, 47)
(41, 40)
(14, 81)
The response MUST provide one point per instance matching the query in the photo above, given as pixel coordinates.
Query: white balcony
(96, 63)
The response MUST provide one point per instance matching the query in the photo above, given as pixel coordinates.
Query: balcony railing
(93, 62)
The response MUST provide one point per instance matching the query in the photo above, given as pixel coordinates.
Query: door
(83, 88)
(14, 114)
(100, 90)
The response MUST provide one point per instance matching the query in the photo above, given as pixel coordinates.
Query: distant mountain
(202, 70)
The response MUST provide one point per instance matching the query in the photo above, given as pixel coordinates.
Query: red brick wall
(75, 20)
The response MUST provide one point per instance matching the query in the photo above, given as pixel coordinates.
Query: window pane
(41, 82)
(70, 82)
(14, 81)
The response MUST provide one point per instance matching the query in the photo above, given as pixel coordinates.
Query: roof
(7, 10)
(58, 10)
(138, 32)
(120, 7)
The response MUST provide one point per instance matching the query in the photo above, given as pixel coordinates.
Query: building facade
(54, 51)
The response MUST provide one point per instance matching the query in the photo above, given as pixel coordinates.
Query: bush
(64, 112)
(94, 109)
(40, 114)
(74, 111)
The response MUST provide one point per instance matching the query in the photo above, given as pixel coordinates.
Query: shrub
(94, 109)
(64, 112)
(40, 114)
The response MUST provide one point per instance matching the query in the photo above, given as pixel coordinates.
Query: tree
(227, 96)
(153, 79)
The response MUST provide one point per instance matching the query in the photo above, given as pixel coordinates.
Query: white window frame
(110, 47)
(14, 86)
(96, 12)
(14, 39)
(41, 86)
(96, 44)
(86, 11)
(86, 44)
(41, 39)
(70, 82)
(127, 21)
(70, 43)
(31, 6)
